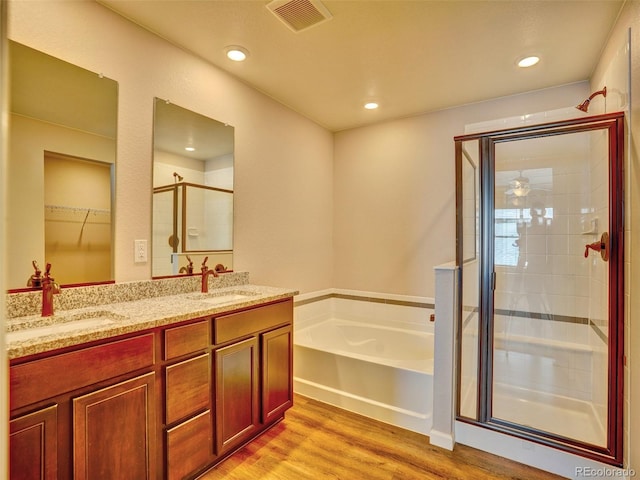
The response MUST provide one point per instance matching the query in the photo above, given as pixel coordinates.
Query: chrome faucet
(49, 288)
(205, 275)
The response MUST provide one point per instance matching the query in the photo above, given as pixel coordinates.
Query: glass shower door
(550, 347)
(540, 334)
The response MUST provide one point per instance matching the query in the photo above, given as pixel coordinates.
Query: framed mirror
(192, 191)
(61, 170)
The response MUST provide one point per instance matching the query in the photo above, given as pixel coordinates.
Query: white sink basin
(219, 298)
(72, 323)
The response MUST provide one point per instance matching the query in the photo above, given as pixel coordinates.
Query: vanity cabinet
(85, 414)
(166, 403)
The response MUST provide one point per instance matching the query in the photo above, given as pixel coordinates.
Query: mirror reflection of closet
(77, 217)
(193, 191)
(62, 124)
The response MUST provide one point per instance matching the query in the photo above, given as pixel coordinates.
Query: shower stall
(190, 218)
(540, 252)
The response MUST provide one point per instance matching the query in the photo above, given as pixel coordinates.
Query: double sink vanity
(150, 380)
(146, 380)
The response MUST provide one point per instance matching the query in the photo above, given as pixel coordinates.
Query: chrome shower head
(176, 177)
(584, 106)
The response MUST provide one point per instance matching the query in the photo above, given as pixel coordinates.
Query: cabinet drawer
(237, 325)
(188, 388)
(189, 446)
(185, 339)
(48, 377)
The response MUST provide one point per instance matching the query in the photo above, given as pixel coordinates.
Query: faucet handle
(204, 264)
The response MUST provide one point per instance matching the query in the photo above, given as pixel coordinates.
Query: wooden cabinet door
(114, 432)
(236, 393)
(33, 440)
(277, 372)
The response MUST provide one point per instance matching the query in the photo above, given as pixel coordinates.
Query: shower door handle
(601, 246)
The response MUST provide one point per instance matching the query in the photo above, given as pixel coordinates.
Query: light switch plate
(140, 251)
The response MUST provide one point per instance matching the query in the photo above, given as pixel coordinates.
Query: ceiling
(411, 57)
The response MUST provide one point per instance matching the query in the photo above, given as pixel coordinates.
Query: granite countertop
(31, 334)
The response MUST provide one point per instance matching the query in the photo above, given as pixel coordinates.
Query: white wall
(283, 162)
(394, 192)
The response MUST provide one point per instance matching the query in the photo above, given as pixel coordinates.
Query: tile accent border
(365, 298)
(472, 311)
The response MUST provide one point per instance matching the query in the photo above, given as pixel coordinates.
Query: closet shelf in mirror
(76, 214)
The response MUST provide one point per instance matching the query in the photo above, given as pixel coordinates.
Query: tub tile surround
(133, 306)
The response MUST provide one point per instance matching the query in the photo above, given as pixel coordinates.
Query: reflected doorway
(77, 218)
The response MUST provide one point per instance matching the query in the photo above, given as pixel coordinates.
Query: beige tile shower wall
(283, 161)
(598, 209)
(598, 301)
(548, 275)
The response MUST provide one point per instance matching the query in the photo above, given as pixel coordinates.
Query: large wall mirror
(192, 191)
(61, 170)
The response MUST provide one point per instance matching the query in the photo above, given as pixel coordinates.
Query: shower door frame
(614, 123)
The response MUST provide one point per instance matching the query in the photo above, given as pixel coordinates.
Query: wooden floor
(318, 441)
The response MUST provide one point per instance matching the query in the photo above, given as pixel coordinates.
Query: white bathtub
(377, 371)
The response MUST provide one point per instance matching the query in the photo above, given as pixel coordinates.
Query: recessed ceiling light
(371, 105)
(190, 149)
(528, 61)
(236, 53)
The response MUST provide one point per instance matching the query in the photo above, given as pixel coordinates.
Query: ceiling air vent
(299, 15)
